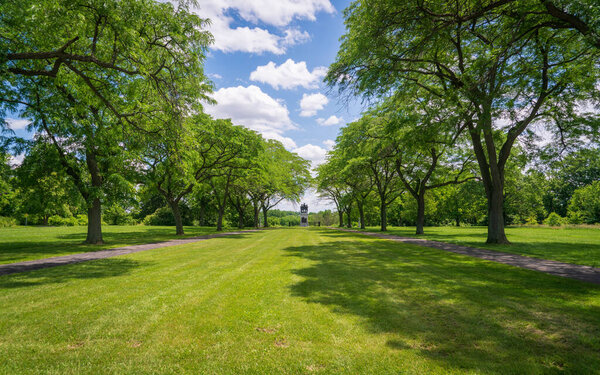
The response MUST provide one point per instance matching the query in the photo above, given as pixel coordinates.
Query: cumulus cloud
(315, 154)
(17, 123)
(251, 107)
(16, 160)
(277, 13)
(287, 142)
(329, 143)
(311, 103)
(289, 75)
(332, 120)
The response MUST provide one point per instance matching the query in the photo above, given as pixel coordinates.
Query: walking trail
(552, 267)
(6, 269)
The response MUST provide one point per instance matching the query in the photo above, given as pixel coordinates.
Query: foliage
(70, 221)
(7, 222)
(585, 204)
(116, 215)
(502, 72)
(554, 220)
(164, 216)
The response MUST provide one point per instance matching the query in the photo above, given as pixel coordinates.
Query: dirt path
(9, 268)
(552, 267)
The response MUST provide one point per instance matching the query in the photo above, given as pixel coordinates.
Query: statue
(303, 215)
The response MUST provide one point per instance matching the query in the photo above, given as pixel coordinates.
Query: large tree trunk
(240, 219)
(496, 232)
(383, 216)
(94, 229)
(265, 211)
(256, 213)
(177, 217)
(361, 213)
(220, 218)
(349, 217)
(341, 217)
(457, 221)
(202, 215)
(420, 212)
(94, 233)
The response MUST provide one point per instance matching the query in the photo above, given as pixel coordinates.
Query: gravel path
(572, 271)
(6, 269)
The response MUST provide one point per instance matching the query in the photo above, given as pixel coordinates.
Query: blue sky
(267, 64)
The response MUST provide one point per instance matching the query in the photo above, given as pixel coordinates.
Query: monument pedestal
(304, 215)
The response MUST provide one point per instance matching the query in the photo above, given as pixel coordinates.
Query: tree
(501, 70)
(375, 151)
(285, 176)
(329, 185)
(245, 145)
(44, 188)
(429, 150)
(585, 204)
(94, 75)
(201, 150)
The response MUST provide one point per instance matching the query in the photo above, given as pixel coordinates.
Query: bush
(56, 220)
(532, 220)
(164, 216)
(82, 220)
(554, 220)
(116, 215)
(6, 222)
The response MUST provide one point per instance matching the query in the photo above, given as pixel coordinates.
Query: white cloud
(17, 123)
(315, 204)
(255, 39)
(332, 120)
(215, 76)
(287, 142)
(295, 36)
(312, 103)
(279, 12)
(315, 154)
(289, 75)
(329, 143)
(251, 107)
(16, 160)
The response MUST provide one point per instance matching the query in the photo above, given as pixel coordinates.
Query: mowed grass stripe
(296, 301)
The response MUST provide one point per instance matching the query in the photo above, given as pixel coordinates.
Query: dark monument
(303, 215)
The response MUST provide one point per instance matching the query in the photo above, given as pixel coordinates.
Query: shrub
(164, 216)
(6, 222)
(554, 220)
(116, 215)
(56, 220)
(82, 219)
(532, 220)
(575, 217)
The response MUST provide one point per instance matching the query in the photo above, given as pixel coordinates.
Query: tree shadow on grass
(97, 269)
(72, 243)
(462, 313)
(576, 252)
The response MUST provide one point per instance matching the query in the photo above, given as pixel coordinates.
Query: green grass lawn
(569, 244)
(296, 301)
(21, 243)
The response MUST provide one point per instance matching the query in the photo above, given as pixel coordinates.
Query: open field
(21, 243)
(293, 301)
(578, 245)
